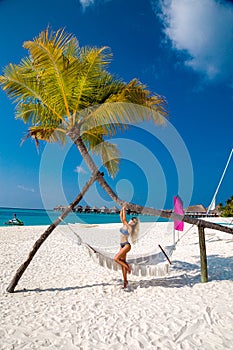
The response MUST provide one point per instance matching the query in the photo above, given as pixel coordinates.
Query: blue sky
(180, 49)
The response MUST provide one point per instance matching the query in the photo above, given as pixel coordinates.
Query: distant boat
(15, 222)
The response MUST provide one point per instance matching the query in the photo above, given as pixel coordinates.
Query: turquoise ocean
(34, 217)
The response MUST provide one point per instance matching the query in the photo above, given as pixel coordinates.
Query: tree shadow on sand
(186, 274)
(182, 274)
(220, 268)
(65, 289)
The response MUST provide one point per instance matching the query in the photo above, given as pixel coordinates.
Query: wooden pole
(166, 256)
(48, 231)
(203, 259)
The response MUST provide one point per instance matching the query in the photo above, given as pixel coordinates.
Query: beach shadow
(219, 269)
(167, 282)
(184, 274)
(178, 265)
(65, 289)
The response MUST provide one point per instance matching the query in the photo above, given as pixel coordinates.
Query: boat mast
(224, 171)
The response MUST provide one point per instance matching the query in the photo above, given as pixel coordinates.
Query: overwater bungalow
(87, 209)
(114, 210)
(79, 209)
(104, 210)
(59, 208)
(94, 210)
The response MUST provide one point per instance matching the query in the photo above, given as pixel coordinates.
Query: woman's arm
(123, 216)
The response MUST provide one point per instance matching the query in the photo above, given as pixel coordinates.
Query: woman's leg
(120, 257)
(124, 270)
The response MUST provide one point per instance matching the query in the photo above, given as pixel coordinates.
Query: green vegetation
(227, 210)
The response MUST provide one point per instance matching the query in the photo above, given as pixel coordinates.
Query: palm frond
(93, 61)
(48, 133)
(95, 142)
(110, 156)
(24, 86)
(103, 129)
(137, 93)
(112, 116)
(93, 137)
(52, 53)
(17, 85)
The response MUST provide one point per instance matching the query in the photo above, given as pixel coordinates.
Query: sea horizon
(37, 217)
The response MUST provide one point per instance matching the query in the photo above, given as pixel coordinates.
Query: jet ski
(16, 222)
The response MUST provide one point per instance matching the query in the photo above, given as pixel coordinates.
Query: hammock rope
(184, 234)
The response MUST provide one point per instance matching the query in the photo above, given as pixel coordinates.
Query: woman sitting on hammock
(131, 229)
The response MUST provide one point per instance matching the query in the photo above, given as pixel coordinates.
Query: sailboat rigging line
(219, 184)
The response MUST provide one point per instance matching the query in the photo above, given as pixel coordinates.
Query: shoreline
(65, 300)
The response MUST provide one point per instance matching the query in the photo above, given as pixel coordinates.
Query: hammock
(151, 264)
(141, 265)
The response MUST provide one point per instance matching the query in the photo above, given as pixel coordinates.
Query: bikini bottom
(124, 244)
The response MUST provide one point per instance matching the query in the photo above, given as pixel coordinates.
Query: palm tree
(227, 210)
(63, 90)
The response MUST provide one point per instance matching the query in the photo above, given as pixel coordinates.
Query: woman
(131, 229)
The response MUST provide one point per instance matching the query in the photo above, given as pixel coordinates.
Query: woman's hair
(135, 229)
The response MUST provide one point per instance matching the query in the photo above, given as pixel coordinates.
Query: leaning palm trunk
(49, 230)
(76, 138)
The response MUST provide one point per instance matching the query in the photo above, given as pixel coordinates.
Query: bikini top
(124, 231)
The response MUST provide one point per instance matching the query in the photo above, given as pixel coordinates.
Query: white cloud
(21, 187)
(203, 29)
(80, 170)
(86, 3)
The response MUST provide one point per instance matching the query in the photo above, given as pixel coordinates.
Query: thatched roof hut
(196, 210)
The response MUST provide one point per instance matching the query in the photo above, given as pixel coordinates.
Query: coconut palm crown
(60, 86)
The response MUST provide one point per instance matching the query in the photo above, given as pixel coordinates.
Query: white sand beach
(66, 301)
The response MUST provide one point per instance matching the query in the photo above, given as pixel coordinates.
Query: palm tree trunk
(76, 138)
(49, 230)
